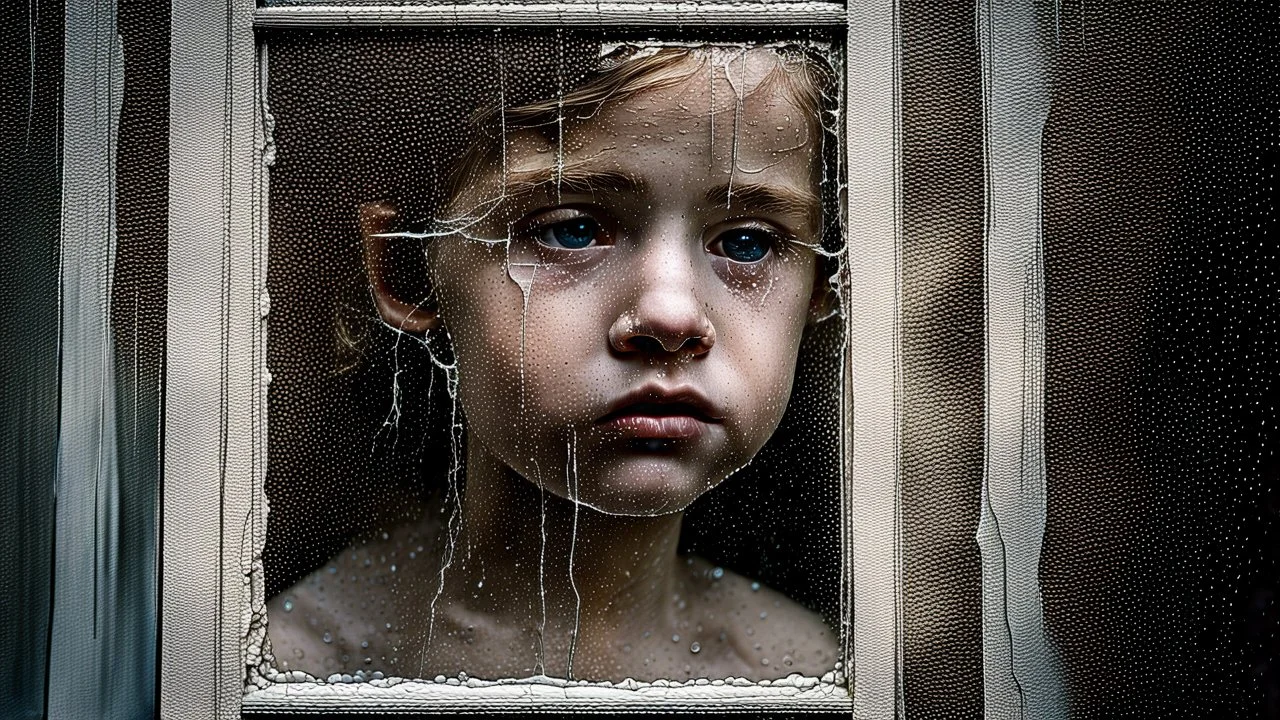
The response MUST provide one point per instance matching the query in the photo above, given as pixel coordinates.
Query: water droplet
(288, 605)
(364, 643)
(675, 638)
(764, 661)
(717, 573)
(327, 638)
(755, 586)
(695, 648)
(298, 653)
(462, 677)
(480, 584)
(393, 568)
(439, 678)
(786, 660)
(332, 570)
(763, 614)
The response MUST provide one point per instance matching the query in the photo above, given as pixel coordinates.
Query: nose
(668, 316)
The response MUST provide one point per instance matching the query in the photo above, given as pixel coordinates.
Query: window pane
(555, 345)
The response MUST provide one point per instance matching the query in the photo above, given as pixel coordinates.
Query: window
(329, 109)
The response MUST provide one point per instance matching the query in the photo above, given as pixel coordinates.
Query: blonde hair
(629, 70)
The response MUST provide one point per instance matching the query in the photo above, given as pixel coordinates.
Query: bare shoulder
(772, 634)
(296, 622)
(339, 617)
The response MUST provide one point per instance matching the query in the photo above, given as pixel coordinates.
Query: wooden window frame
(215, 509)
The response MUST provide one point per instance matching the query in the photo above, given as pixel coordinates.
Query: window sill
(795, 694)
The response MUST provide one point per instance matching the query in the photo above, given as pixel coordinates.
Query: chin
(645, 488)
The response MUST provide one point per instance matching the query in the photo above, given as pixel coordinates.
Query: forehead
(730, 110)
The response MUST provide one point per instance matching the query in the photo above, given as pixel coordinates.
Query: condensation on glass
(555, 346)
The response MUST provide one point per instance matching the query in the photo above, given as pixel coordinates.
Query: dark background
(1159, 565)
(1159, 568)
(31, 80)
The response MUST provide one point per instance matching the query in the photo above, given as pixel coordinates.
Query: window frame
(215, 509)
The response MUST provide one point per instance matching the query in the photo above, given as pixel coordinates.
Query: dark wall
(30, 217)
(942, 356)
(1158, 570)
(139, 301)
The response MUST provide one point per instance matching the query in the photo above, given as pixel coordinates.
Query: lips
(657, 413)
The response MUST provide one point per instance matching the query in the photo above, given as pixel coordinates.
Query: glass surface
(555, 344)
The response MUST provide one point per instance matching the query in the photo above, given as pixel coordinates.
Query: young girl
(616, 292)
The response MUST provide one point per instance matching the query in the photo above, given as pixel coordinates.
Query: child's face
(642, 325)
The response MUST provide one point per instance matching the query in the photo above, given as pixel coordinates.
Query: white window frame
(215, 507)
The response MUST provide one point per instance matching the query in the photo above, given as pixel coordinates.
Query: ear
(400, 304)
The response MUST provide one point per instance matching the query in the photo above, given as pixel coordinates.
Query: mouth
(657, 413)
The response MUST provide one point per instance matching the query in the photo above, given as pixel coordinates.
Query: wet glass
(555, 346)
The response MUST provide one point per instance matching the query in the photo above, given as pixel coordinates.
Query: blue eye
(574, 234)
(744, 245)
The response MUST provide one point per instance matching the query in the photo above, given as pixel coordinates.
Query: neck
(529, 556)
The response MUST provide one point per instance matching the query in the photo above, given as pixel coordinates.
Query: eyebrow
(768, 199)
(758, 197)
(576, 180)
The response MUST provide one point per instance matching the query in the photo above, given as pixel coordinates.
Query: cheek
(761, 342)
(566, 364)
(481, 308)
(541, 352)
